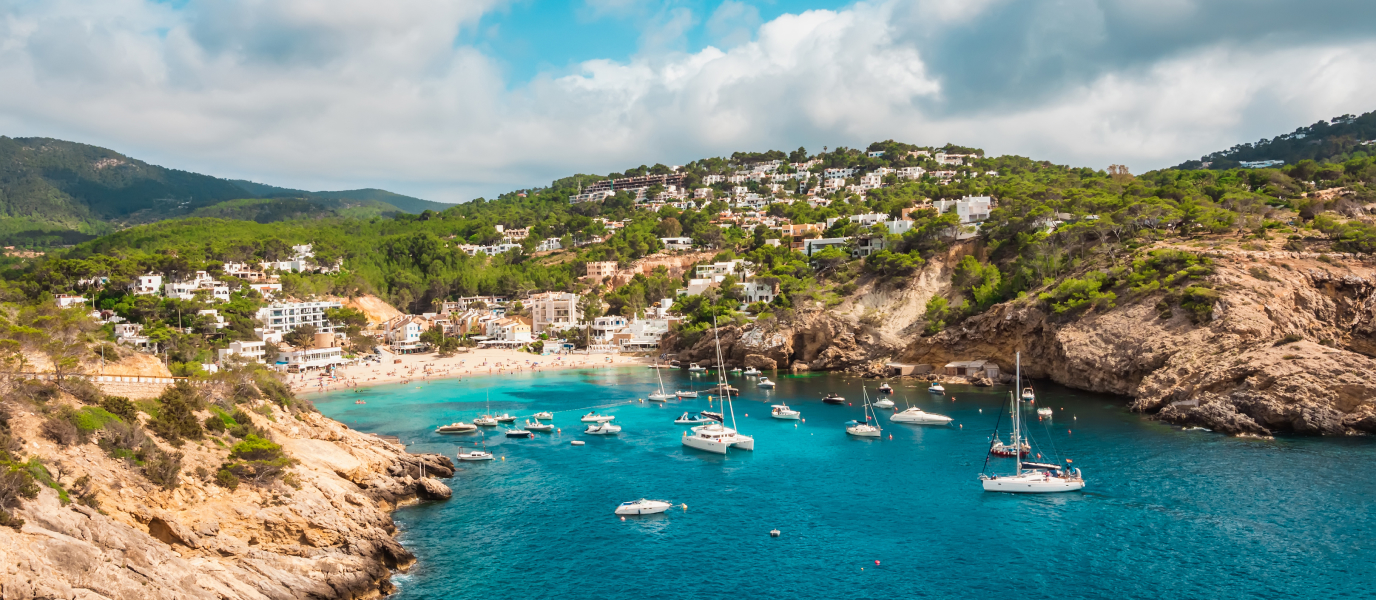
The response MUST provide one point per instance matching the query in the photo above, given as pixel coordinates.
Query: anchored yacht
(782, 411)
(642, 507)
(593, 417)
(603, 428)
(459, 427)
(1040, 478)
(917, 416)
(717, 437)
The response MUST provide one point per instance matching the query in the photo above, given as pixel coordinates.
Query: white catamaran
(717, 437)
(1038, 478)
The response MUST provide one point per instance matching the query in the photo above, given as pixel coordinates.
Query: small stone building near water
(973, 368)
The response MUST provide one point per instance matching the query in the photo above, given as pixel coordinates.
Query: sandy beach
(424, 367)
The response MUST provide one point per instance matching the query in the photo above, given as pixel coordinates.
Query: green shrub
(936, 314)
(214, 424)
(1289, 338)
(257, 460)
(160, 467)
(1072, 294)
(92, 418)
(225, 479)
(175, 421)
(1200, 302)
(120, 407)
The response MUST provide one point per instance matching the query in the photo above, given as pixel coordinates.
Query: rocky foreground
(327, 535)
(1287, 350)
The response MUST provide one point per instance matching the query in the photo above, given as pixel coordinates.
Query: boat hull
(718, 446)
(921, 419)
(641, 510)
(1032, 484)
(863, 432)
(787, 416)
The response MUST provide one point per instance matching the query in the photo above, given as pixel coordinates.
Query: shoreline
(430, 366)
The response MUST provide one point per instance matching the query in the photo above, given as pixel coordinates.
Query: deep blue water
(1166, 513)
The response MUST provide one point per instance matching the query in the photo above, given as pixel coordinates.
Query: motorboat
(458, 427)
(751, 372)
(576, 443)
(782, 411)
(1045, 411)
(593, 417)
(725, 389)
(518, 433)
(537, 426)
(603, 428)
(1028, 395)
(1029, 477)
(696, 368)
(765, 383)
(716, 438)
(998, 448)
(936, 388)
(473, 455)
(693, 419)
(885, 389)
(884, 403)
(544, 416)
(917, 416)
(865, 429)
(485, 421)
(736, 370)
(833, 399)
(686, 394)
(643, 507)
(505, 418)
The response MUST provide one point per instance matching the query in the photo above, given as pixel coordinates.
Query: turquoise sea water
(1166, 513)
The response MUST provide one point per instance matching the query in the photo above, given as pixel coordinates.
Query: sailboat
(717, 437)
(486, 420)
(865, 429)
(1039, 478)
(661, 395)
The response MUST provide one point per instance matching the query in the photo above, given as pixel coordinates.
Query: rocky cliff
(1287, 348)
(322, 532)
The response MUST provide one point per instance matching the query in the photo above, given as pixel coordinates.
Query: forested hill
(55, 192)
(1331, 141)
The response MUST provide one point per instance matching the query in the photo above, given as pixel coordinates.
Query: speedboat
(546, 416)
(485, 421)
(725, 389)
(936, 388)
(475, 455)
(1028, 395)
(537, 426)
(693, 419)
(603, 428)
(716, 438)
(765, 383)
(593, 417)
(885, 389)
(506, 418)
(833, 399)
(683, 394)
(859, 429)
(885, 403)
(518, 433)
(696, 368)
(1044, 411)
(751, 372)
(782, 411)
(736, 370)
(643, 507)
(917, 416)
(457, 428)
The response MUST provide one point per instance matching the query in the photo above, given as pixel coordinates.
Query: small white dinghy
(593, 417)
(537, 426)
(693, 419)
(884, 403)
(544, 416)
(765, 383)
(1044, 411)
(782, 411)
(505, 418)
(642, 507)
(603, 429)
(751, 372)
(458, 427)
(936, 388)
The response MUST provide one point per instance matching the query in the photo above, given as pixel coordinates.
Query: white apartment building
(148, 284)
(838, 173)
(510, 331)
(553, 311)
(758, 291)
(912, 173)
(603, 328)
(313, 358)
(268, 290)
(406, 331)
(736, 267)
(677, 243)
(67, 300)
(202, 282)
(971, 209)
(601, 269)
(514, 235)
(596, 196)
(549, 244)
(702, 193)
(215, 317)
(287, 316)
(246, 351)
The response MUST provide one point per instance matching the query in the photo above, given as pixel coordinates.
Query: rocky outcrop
(816, 341)
(1239, 372)
(327, 535)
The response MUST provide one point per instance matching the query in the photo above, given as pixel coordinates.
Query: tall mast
(1017, 411)
(721, 374)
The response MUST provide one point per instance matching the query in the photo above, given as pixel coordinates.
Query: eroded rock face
(820, 340)
(329, 538)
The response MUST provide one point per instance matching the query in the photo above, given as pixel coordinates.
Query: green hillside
(55, 192)
(1333, 141)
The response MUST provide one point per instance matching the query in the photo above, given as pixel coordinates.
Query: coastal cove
(1166, 512)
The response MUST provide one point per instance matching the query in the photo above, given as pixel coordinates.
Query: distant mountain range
(1333, 140)
(54, 192)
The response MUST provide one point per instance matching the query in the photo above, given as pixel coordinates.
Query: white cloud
(733, 23)
(324, 94)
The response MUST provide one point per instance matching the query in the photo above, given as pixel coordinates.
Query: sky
(454, 100)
